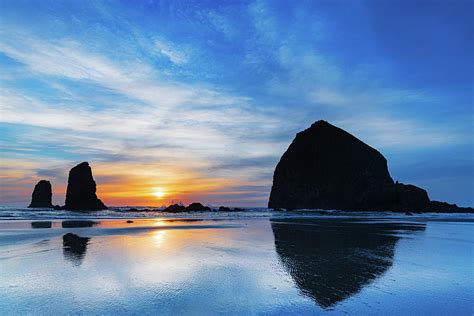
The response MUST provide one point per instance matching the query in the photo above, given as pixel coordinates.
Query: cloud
(220, 104)
(174, 54)
(221, 23)
(390, 133)
(137, 80)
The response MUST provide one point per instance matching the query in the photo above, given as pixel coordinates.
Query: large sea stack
(327, 168)
(81, 190)
(42, 195)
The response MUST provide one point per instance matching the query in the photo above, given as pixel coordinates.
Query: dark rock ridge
(327, 168)
(81, 190)
(228, 209)
(175, 208)
(42, 195)
(443, 207)
(197, 207)
(193, 207)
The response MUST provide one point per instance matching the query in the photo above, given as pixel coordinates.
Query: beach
(246, 263)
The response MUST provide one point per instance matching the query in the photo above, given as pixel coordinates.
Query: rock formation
(327, 168)
(228, 209)
(81, 190)
(193, 207)
(175, 208)
(42, 195)
(197, 207)
(443, 207)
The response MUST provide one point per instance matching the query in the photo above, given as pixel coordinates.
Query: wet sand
(264, 265)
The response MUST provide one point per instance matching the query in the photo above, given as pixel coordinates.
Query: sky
(198, 100)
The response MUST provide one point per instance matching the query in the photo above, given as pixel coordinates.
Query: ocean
(243, 263)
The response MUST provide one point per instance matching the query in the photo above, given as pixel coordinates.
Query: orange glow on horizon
(125, 183)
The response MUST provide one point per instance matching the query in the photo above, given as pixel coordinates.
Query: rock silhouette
(437, 206)
(81, 190)
(193, 207)
(228, 209)
(197, 207)
(42, 195)
(331, 260)
(175, 208)
(327, 168)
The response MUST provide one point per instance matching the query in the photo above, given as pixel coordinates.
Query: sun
(159, 193)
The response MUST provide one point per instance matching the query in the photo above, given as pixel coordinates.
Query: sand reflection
(159, 237)
(74, 248)
(331, 260)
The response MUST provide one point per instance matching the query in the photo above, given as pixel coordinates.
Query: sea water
(252, 262)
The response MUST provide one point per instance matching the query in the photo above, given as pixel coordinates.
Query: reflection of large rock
(81, 190)
(41, 224)
(74, 247)
(331, 260)
(328, 168)
(42, 195)
(77, 223)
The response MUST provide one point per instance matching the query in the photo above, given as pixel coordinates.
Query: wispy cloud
(216, 107)
(175, 54)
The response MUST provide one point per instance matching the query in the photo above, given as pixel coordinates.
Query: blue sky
(201, 98)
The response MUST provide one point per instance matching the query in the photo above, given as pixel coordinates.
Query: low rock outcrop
(81, 190)
(175, 208)
(327, 168)
(42, 195)
(443, 207)
(197, 207)
(193, 207)
(228, 209)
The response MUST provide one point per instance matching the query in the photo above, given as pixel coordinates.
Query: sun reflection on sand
(159, 237)
(159, 222)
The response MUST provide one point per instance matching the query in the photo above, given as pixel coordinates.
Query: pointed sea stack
(327, 168)
(81, 190)
(42, 195)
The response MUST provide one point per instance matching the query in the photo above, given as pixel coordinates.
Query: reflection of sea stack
(42, 195)
(331, 260)
(328, 168)
(81, 190)
(74, 247)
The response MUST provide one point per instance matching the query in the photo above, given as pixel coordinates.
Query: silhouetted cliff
(327, 168)
(42, 195)
(81, 190)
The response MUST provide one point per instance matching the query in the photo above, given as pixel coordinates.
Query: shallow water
(239, 264)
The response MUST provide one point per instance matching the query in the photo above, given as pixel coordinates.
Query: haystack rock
(327, 168)
(42, 195)
(81, 190)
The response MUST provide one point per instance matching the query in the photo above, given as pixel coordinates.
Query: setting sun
(159, 193)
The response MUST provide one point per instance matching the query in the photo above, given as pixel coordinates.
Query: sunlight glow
(159, 193)
(159, 222)
(159, 237)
